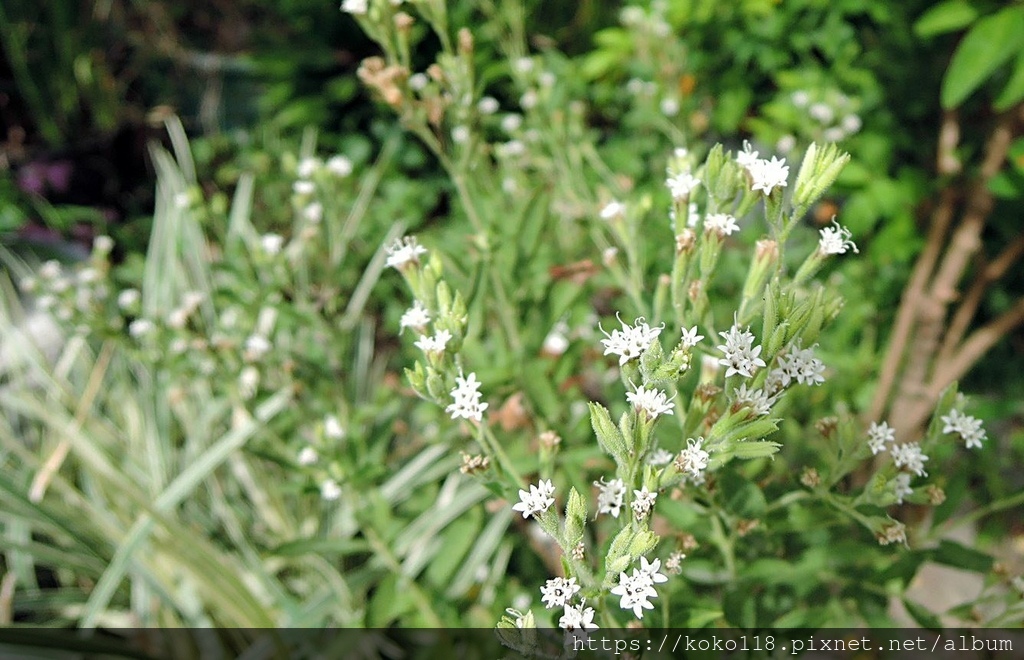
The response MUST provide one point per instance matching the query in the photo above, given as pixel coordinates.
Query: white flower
(511, 123)
(418, 81)
(746, 158)
(767, 175)
(722, 224)
(660, 457)
(669, 106)
(488, 105)
(308, 456)
(801, 98)
(643, 502)
(50, 270)
(416, 316)
(901, 486)
(799, 364)
(909, 456)
(653, 570)
(692, 215)
(356, 7)
(631, 341)
(821, 112)
(609, 498)
(613, 210)
(103, 244)
(403, 251)
(302, 187)
(339, 166)
(756, 399)
(690, 337)
(248, 381)
(851, 123)
(330, 490)
(741, 356)
(307, 167)
(466, 399)
(128, 298)
(140, 328)
(558, 591)
(538, 500)
(693, 460)
(786, 143)
(436, 343)
(256, 346)
(313, 213)
(635, 591)
(577, 618)
(556, 343)
(681, 185)
(332, 428)
(651, 401)
(271, 243)
(460, 134)
(969, 428)
(878, 435)
(835, 240)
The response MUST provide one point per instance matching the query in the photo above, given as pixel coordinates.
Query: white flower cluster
(643, 502)
(652, 402)
(741, 356)
(722, 224)
(416, 317)
(538, 500)
(835, 240)
(799, 365)
(681, 185)
(693, 460)
(466, 400)
(756, 399)
(577, 617)
(901, 486)
(911, 457)
(766, 175)
(879, 435)
(631, 341)
(404, 251)
(967, 427)
(557, 592)
(636, 590)
(609, 496)
(435, 344)
(613, 210)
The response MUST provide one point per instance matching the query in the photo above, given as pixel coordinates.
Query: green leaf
(992, 41)
(945, 17)
(958, 555)
(1014, 90)
(607, 435)
(924, 617)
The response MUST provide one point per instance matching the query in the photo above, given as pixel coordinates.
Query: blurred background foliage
(86, 86)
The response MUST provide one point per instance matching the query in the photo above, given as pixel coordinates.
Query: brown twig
(947, 164)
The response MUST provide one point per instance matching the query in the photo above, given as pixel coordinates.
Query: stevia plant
(690, 464)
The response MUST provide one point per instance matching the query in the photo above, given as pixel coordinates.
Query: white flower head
(313, 213)
(355, 7)
(466, 402)
(303, 187)
(652, 402)
(653, 570)
(969, 428)
(403, 251)
(766, 175)
(435, 344)
(488, 105)
(140, 328)
(635, 591)
(643, 502)
(681, 185)
(256, 346)
(660, 457)
(416, 317)
(339, 166)
(631, 341)
(799, 364)
(835, 240)
(538, 500)
(910, 456)
(557, 592)
(690, 337)
(610, 495)
(271, 243)
(693, 460)
(879, 435)
(740, 355)
(333, 429)
(613, 210)
(746, 158)
(722, 224)
(128, 298)
(330, 490)
(308, 456)
(307, 167)
(755, 399)
(901, 486)
(577, 618)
